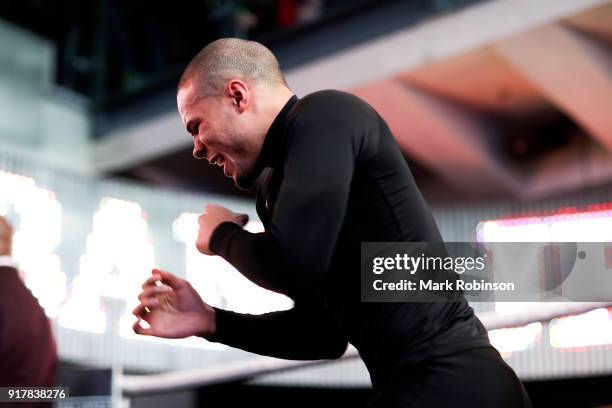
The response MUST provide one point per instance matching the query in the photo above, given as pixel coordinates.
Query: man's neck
(276, 99)
(279, 103)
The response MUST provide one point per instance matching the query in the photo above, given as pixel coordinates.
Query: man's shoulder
(334, 97)
(330, 116)
(7, 271)
(330, 94)
(331, 103)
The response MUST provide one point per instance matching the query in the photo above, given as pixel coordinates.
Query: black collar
(272, 150)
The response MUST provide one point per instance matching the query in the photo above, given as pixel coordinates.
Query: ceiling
(521, 115)
(503, 99)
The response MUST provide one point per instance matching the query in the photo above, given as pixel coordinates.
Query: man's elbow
(303, 286)
(336, 350)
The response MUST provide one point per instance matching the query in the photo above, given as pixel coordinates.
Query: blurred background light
(37, 234)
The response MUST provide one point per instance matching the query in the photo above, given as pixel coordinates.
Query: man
(27, 349)
(332, 177)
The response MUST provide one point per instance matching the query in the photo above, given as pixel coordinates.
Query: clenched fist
(214, 215)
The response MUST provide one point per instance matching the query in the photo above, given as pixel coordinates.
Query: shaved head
(6, 237)
(229, 58)
(228, 97)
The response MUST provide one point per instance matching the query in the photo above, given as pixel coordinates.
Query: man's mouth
(218, 160)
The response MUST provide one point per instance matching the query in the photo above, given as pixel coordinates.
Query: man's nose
(199, 151)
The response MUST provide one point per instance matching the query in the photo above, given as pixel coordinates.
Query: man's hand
(211, 218)
(172, 308)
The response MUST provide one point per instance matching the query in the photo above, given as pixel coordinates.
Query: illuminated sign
(118, 257)
(567, 225)
(588, 329)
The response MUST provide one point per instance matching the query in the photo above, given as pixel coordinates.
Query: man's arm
(296, 249)
(301, 333)
(176, 310)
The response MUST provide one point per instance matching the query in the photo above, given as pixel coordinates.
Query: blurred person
(28, 356)
(330, 177)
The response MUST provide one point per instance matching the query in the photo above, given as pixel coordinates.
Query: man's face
(220, 133)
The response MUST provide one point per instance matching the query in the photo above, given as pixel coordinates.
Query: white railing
(133, 385)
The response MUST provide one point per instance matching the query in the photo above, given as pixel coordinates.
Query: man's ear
(239, 93)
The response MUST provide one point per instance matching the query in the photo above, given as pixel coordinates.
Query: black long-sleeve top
(335, 177)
